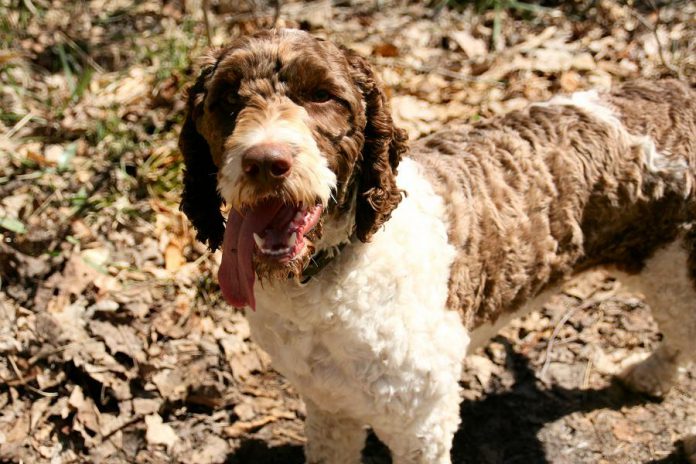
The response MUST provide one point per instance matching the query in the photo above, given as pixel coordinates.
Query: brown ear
(384, 145)
(200, 200)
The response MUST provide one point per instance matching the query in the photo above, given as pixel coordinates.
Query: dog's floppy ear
(200, 200)
(377, 194)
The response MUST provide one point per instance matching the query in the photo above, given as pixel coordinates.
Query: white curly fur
(369, 340)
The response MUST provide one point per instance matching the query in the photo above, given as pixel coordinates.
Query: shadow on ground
(258, 452)
(502, 428)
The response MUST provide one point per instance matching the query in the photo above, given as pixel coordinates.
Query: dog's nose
(267, 162)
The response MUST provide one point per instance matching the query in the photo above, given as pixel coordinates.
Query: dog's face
(294, 134)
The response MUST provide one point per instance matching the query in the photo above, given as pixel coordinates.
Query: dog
(369, 270)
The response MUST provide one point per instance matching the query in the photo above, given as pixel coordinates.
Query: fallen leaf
(159, 433)
(13, 225)
(626, 431)
(388, 50)
(144, 406)
(214, 450)
(570, 81)
(86, 420)
(173, 257)
(119, 339)
(483, 368)
(470, 45)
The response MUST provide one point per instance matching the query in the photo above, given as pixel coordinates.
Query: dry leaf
(159, 433)
(173, 257)
(483, 368)
(145, 406)
(470, 45)
(213, 451)
(119, 339)
(625, 431)
(39, 159)
(570, 81)
(388, 50)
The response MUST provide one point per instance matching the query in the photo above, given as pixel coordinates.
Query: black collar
(319, 261)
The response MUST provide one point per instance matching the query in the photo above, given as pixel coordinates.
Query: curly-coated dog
(370, 269)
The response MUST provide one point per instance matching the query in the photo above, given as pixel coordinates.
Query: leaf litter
(115, 344)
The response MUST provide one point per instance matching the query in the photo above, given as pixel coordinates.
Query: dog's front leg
(427, 439)
(332, 438)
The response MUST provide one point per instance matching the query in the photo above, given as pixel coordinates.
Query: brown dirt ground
(114, 344)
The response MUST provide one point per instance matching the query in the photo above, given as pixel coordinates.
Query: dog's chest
(372, 329)
(364, 344)
(325, 359)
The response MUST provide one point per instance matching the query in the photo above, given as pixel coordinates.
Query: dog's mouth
(271, 231)
(284, 236)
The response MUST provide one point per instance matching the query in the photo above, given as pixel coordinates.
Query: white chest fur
(371, 334)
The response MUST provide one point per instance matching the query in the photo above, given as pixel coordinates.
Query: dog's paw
(653, 376)
(690, 449)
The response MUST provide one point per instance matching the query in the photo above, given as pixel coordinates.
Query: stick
(566, 317)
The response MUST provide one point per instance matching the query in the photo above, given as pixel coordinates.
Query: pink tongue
(236, 273)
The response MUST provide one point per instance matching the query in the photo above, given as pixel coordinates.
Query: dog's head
(294, 134)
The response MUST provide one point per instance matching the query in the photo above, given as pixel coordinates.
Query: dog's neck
(319, 261)
(338, 231)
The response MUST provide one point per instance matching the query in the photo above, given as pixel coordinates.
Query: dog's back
(564, 185)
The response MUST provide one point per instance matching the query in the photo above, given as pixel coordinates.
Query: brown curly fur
(539, 194)
(199, 200)
(384, 146)
(364, 152)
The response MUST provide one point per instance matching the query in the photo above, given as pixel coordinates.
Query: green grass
(15, 18)
(113, 140)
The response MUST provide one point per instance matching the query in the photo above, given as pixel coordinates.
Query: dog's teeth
(293, 240)
(258, 240)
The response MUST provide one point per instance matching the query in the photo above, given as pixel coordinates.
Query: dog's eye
(231, 98)
(321, 96)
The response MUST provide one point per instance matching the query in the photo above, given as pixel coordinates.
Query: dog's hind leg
(332, 438)
(669, 287)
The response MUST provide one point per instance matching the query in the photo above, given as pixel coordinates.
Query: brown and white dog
(368, 288)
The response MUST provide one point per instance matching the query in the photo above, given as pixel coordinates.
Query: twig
(566, 317)
(41, 392)
(441, 71)
(30, 6)
(131, 421)
(17, 372)
(21, 123)
(653, 29)
(587, 374)
(42, 354)
(206, 21)
(24, 381)
(97, 67)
